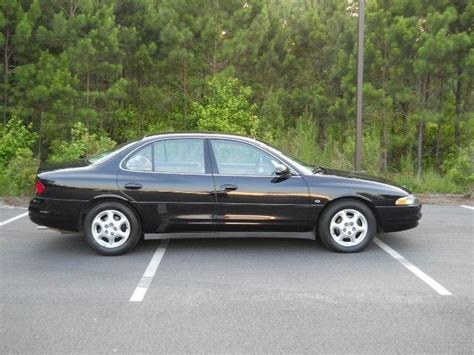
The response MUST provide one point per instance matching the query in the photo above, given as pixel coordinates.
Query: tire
(109, 218)
(336, 231)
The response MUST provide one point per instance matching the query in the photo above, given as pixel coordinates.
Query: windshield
(101, 157)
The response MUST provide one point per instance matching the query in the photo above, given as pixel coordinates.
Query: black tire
(135, 228)
(327, 215)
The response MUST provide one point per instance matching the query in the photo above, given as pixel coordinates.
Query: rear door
(249, 194)
(171, 182)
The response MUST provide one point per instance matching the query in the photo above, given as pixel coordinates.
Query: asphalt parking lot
(239, 295)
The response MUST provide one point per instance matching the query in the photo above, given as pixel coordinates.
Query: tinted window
(141, 160)
(180, 156)
(170, 156)
(101, 157)
(235, 158)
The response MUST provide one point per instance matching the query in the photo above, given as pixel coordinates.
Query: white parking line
(470, 207)
(145, 281)
(428, 280)
(13, 219)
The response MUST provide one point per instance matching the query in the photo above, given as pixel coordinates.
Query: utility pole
(360, 82)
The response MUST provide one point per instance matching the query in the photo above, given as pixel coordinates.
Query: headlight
(406, 201)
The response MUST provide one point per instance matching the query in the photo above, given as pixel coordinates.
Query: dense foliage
(81, 75)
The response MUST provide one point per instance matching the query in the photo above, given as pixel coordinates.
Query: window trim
(207, 168)
(215, 167)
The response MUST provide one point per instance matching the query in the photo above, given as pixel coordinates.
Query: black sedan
(198, 182)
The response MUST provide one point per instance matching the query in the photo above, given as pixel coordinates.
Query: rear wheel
(111, 228)
(347, 226)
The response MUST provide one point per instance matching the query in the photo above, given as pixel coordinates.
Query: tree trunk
(185, 92)
(214, 59)
(6, 76)
(421, 134)
(384, 114)
(438, 143)
(88, 80)
(457, 110)
(40, 134)
(385, 149)
(438, 128)
(425, 87)
(322, 133)
(140, 105)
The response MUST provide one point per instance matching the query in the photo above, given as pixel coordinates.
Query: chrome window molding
(293, 171)
(121, 166)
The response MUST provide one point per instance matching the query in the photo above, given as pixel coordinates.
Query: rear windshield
(101, 157)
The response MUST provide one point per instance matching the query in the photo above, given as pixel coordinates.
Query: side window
(235, 158)
(170, 156)
(179, 156)
(141, 160)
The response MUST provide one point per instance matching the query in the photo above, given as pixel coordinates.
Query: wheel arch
(365, 201)
(107, 198)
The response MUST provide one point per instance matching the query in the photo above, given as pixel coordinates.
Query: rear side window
(141, 160)
(170, 156)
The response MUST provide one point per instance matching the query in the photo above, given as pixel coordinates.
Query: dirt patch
(14, 201)
(446, 199)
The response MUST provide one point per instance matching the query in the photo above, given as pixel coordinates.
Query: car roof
(199, 135)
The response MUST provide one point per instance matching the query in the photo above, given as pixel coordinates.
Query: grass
(429, 182)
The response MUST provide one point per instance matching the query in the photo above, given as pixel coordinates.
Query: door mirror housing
(282, 170)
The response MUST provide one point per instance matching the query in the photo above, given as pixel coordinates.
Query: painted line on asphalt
(470, 207)
(13, 219)
(142, 287)
(415, 270)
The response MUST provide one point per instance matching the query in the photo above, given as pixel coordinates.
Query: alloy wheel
(110, 228)
(348, 227)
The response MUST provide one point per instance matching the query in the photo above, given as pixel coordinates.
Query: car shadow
(74, 244)
(70, 245)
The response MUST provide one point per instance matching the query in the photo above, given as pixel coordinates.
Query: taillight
(39, 187)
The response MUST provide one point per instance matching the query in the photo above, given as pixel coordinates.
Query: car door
(171, 182)
(249, 194)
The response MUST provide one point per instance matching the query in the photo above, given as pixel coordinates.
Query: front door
(171, 182)
(250, 195)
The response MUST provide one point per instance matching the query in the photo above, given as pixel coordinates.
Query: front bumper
(398, 218)
(57, 214)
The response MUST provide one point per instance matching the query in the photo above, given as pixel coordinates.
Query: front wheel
(111, 228)
(347, 226)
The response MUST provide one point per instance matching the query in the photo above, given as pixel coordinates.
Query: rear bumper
(398, 218)
(58, 214)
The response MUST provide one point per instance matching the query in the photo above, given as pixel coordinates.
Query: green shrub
(17, 164)
(81, 145)
(407, 164)
(14, 136)
(300, 141)
(460, 168)
(226, 108)
(18, 178)
(429, 182)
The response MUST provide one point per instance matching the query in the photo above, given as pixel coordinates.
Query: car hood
(362, 176)
(45, 167)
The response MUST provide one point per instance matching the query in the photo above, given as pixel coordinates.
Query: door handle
(133, 186)
(228, 187)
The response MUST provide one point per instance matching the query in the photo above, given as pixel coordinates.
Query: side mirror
(282, 170)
